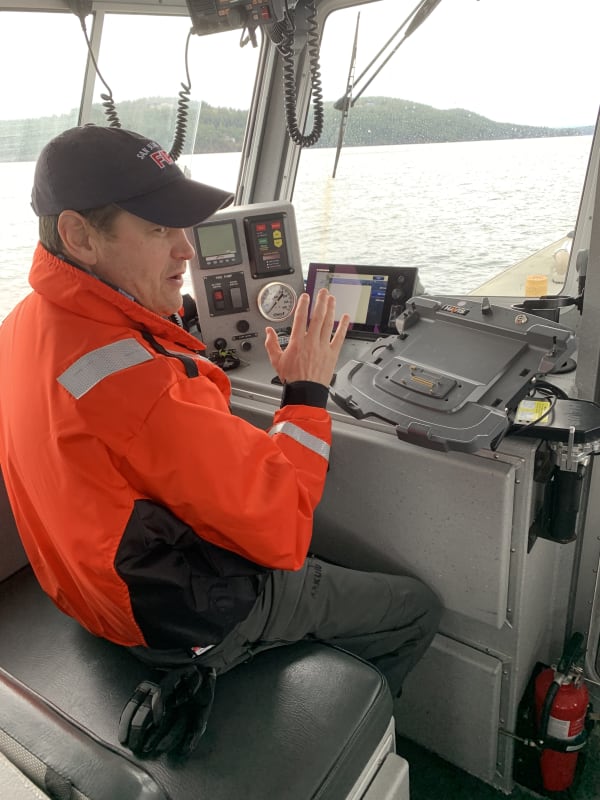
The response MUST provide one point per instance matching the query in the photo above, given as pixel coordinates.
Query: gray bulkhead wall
(460, 522)
(584, 613)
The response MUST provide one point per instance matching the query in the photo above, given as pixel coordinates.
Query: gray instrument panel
(246, 274)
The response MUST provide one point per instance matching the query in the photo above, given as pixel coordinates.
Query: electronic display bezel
(217, 261)
(399, 280)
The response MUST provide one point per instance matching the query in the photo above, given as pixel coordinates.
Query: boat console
(447, 373)
(247, 274)
(425, 476)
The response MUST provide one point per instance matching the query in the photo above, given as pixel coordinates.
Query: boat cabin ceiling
(436, 166)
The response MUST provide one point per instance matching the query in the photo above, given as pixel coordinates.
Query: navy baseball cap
(93, 166)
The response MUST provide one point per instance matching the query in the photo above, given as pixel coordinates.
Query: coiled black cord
(286, 50)
(182, 108)
(108, 100)
(110, 110)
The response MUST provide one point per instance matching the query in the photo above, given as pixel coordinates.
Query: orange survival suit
(148, 511)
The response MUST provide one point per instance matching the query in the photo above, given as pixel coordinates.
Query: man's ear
(78, 238)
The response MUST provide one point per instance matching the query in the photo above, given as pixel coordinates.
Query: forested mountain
(373, 121)
(383, 120)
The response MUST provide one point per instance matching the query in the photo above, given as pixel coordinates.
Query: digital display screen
(217, 245)
(373, 296)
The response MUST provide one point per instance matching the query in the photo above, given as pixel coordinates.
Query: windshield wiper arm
(345, 100)
(418, 15)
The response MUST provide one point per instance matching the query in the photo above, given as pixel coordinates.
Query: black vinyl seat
(295, 723)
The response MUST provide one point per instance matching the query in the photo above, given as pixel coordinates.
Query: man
(148, 511)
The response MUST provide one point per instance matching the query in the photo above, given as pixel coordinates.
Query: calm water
(460, 212)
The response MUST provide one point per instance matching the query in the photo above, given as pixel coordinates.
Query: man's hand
(312, 353)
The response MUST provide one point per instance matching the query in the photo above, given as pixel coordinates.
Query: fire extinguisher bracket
(564, 745)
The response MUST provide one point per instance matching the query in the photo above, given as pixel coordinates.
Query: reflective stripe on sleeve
(313, 443)
(93, 367)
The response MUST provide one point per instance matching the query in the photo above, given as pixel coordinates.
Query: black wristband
(304, 393)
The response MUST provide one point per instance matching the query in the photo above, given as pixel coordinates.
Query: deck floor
(432, 778)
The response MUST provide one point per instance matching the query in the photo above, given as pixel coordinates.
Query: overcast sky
(522, 61)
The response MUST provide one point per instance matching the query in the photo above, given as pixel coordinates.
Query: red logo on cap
(162, 158)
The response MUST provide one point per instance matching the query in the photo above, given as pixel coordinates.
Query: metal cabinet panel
(446, 517)
(463, 688)
(392, 506)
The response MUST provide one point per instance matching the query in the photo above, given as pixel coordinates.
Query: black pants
(388, 620)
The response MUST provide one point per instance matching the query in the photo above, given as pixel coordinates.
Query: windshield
(466, 154)
(45, 99)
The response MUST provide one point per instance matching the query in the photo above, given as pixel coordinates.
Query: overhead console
(246, 274)
(211, 16)
(455, 372)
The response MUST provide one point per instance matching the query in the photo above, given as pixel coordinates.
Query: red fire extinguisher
(561, 707)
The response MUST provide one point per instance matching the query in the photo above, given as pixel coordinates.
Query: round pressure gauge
(276, 301)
